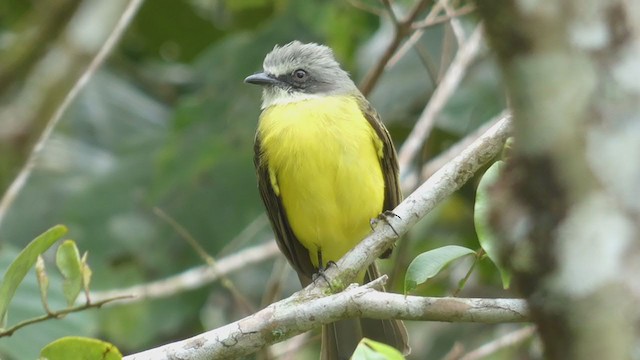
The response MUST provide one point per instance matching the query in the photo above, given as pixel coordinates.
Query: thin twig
(428, 63)
(273, 286)
(60, 314)
(456, 351)
(394, 19)
(202, 275)
(193, 278)
(371, 78)
(441, 95)
(448, 51)
(415, 36)
(210, 260)
(290, 349)
(243, 237)
(18, 183)
(456, 26)
(186, 235)
(465, 10)
(510, 339)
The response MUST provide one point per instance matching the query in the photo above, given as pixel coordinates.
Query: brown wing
(388, 162)
(296, 254)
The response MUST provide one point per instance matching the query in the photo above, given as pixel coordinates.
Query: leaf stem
(58, 314)
(463, 282)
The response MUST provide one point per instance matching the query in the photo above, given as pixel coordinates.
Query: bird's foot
(384, 216)
(321, 273)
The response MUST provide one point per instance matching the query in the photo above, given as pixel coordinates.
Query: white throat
(279, 96)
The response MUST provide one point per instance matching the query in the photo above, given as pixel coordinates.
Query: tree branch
(300, 313)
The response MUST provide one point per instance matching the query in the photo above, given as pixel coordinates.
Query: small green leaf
(372, 350)
(80, 348)
(486, 236)
(86, 273)
(23, 262)
(43, 282)
(429, 264)
(70, 266)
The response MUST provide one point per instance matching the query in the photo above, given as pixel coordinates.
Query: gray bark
(568, 205)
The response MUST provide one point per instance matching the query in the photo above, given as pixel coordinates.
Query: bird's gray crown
(323, 72)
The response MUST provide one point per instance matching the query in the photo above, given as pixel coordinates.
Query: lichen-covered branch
(300, 313)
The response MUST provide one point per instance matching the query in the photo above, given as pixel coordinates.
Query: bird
(326, 166)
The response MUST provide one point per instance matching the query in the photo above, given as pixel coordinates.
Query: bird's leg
(384, 216)
(321, 269)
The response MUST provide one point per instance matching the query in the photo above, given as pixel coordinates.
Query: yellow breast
(324, 162)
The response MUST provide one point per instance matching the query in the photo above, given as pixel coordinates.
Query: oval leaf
(429, 264)
(372, 350)
(80, 348)
(43, 281)
(23, 262)
(486, 236)
(86, 273)
(70, 266)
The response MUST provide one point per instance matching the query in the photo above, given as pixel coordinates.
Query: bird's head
(298, 71)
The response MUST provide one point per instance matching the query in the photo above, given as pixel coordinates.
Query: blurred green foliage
(169, 123)
(27, 342)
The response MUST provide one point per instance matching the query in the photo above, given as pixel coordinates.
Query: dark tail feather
(340, 339)
(391, 332)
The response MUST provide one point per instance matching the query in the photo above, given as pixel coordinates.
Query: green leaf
(429, 264)
(27, 342)
(86, 273)
(70, 266)
(373, 350)
(43, 281)
(23, 262)
(80, 348)
(486, 236)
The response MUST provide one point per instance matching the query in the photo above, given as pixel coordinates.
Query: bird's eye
(299, 74)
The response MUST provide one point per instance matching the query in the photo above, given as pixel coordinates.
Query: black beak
(261, 79)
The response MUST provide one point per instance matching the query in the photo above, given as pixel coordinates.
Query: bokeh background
(167, 123)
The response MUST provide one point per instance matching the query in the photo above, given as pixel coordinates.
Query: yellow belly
(324, 162)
